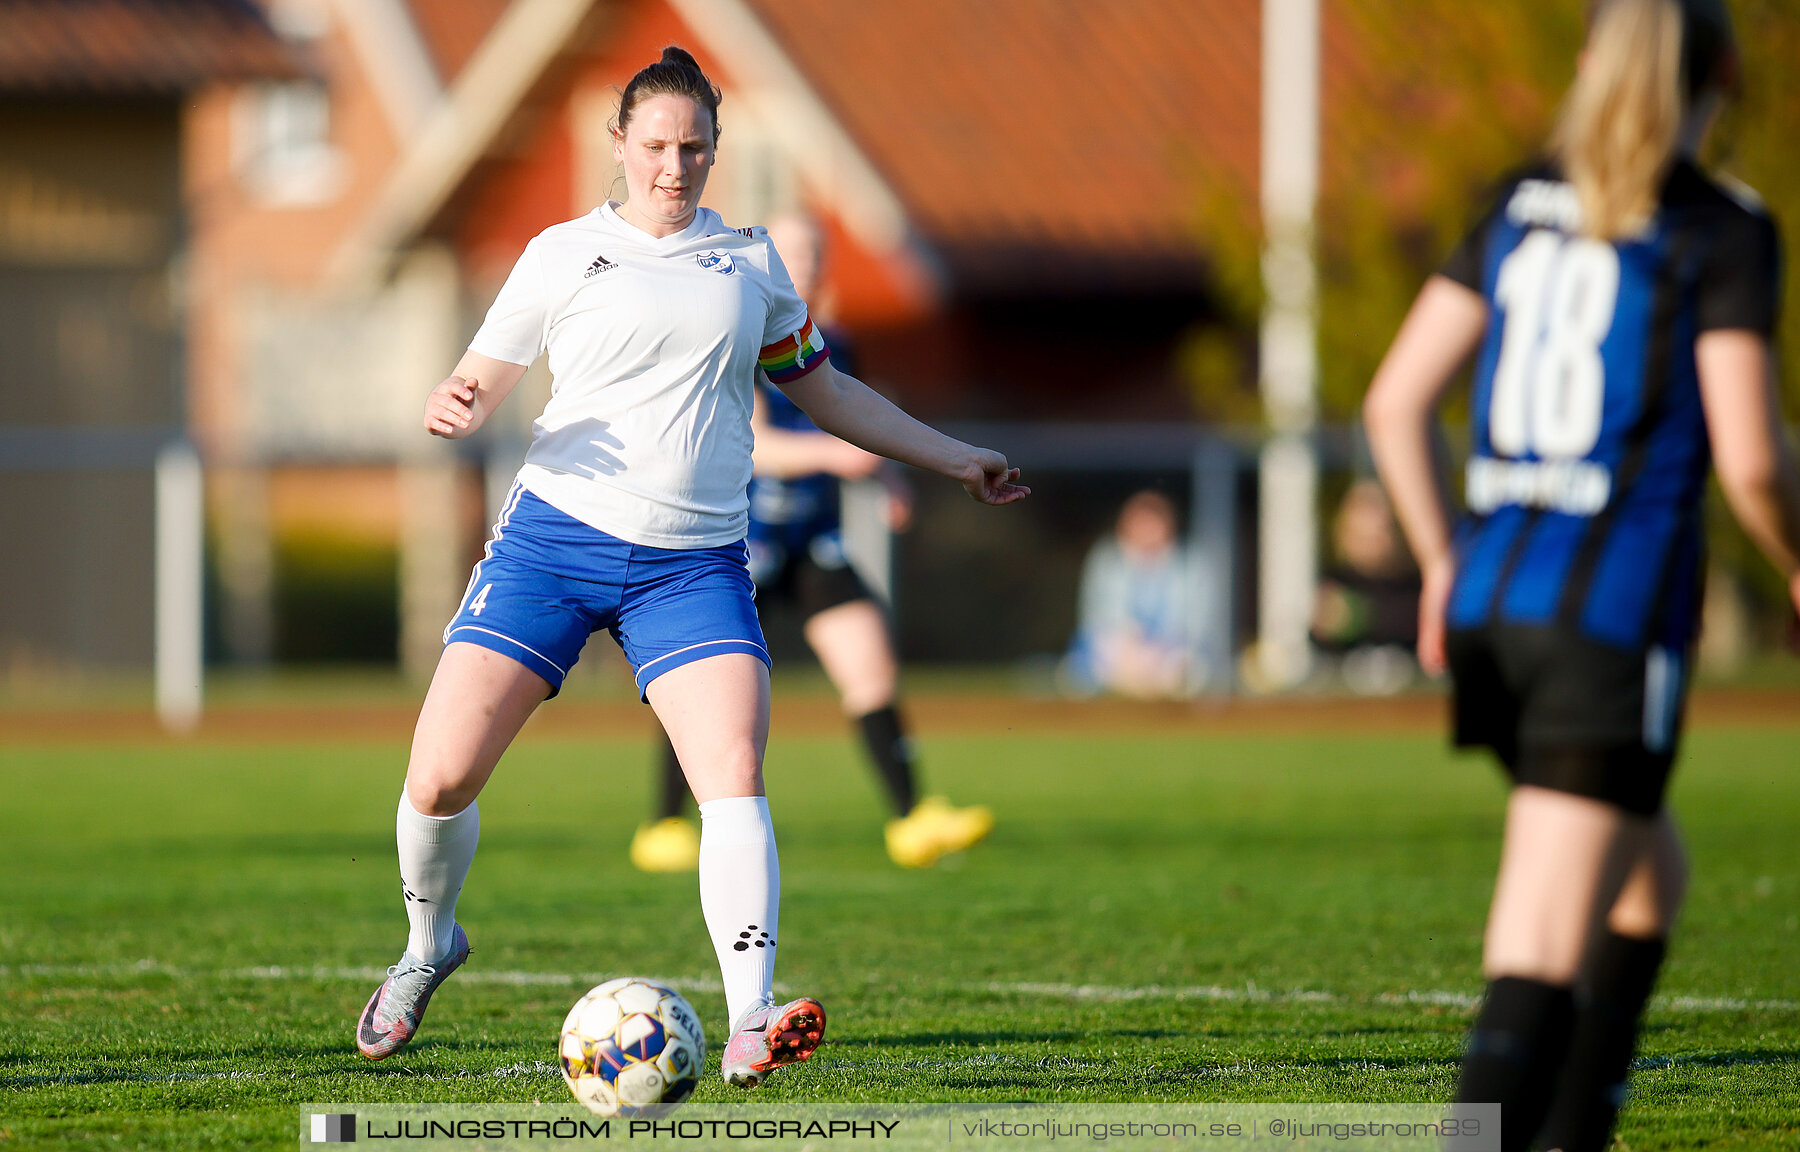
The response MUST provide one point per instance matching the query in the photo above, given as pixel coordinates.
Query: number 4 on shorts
(480, 601)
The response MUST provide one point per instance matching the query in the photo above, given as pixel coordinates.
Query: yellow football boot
(934, 829)
(671, 844)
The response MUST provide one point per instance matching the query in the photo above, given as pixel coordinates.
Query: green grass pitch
(188, 932)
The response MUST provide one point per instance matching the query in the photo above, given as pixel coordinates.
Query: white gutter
(394, 59)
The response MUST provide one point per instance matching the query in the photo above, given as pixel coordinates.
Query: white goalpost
(180, 582)
(1287, 561)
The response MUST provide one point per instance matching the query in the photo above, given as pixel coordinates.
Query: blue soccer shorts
(547, 582)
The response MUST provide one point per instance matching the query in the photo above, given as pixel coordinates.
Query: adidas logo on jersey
(600, 264)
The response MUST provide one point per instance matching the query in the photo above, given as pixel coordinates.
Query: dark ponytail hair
(676, 74)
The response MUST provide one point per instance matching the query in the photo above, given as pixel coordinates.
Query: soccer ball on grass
(629, 1043)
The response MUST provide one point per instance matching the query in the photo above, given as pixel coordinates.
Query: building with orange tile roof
(1009, 189)
(96, 218)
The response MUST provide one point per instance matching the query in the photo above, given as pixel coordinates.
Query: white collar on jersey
(705, 225)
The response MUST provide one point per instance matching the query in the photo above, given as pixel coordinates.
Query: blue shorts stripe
(692, 653)
(491, 635)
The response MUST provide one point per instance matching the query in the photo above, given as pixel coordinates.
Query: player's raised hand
(899, 509)
(450, 409)
(991, 480)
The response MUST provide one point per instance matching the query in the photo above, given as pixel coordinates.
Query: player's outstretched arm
(468, 396)
(850, 410)
(1442, 330)
(1756, 468)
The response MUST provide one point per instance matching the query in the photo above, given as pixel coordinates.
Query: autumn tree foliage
(1427, 105)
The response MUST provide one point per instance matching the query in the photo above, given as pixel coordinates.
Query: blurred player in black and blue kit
(797, 556)
(1620, 305)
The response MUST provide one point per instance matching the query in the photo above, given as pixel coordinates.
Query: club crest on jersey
(720, 262)
(600, 264)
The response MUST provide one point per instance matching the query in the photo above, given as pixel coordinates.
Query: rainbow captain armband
(793, 356)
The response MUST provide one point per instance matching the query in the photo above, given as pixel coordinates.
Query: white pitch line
(1435, 999)
(1251, 994)
(359, 975)
(515, 1071)
(1721, 1004)
(1099, 993)
(126, 1078)
(534, 1069)
(137, 968)
(322, 973)
(1112, 994)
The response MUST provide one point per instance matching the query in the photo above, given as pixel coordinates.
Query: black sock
(672, 799)
(1516, 1053)
(892, 755)
(1606, 1023)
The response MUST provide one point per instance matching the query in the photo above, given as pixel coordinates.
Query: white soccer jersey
(654, 346)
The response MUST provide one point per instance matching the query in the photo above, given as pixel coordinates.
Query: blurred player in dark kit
(1619, 304)
(797, 556)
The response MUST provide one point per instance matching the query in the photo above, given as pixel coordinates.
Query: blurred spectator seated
(1141, 610)
(1366, 614)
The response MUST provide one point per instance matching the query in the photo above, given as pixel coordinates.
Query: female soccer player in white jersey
(629, 514)
(1620, 305)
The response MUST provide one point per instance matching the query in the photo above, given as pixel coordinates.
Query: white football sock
(435, 854)
(740, 896)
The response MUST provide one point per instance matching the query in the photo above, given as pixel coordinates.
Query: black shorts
(1571, 714)
(813, 580)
